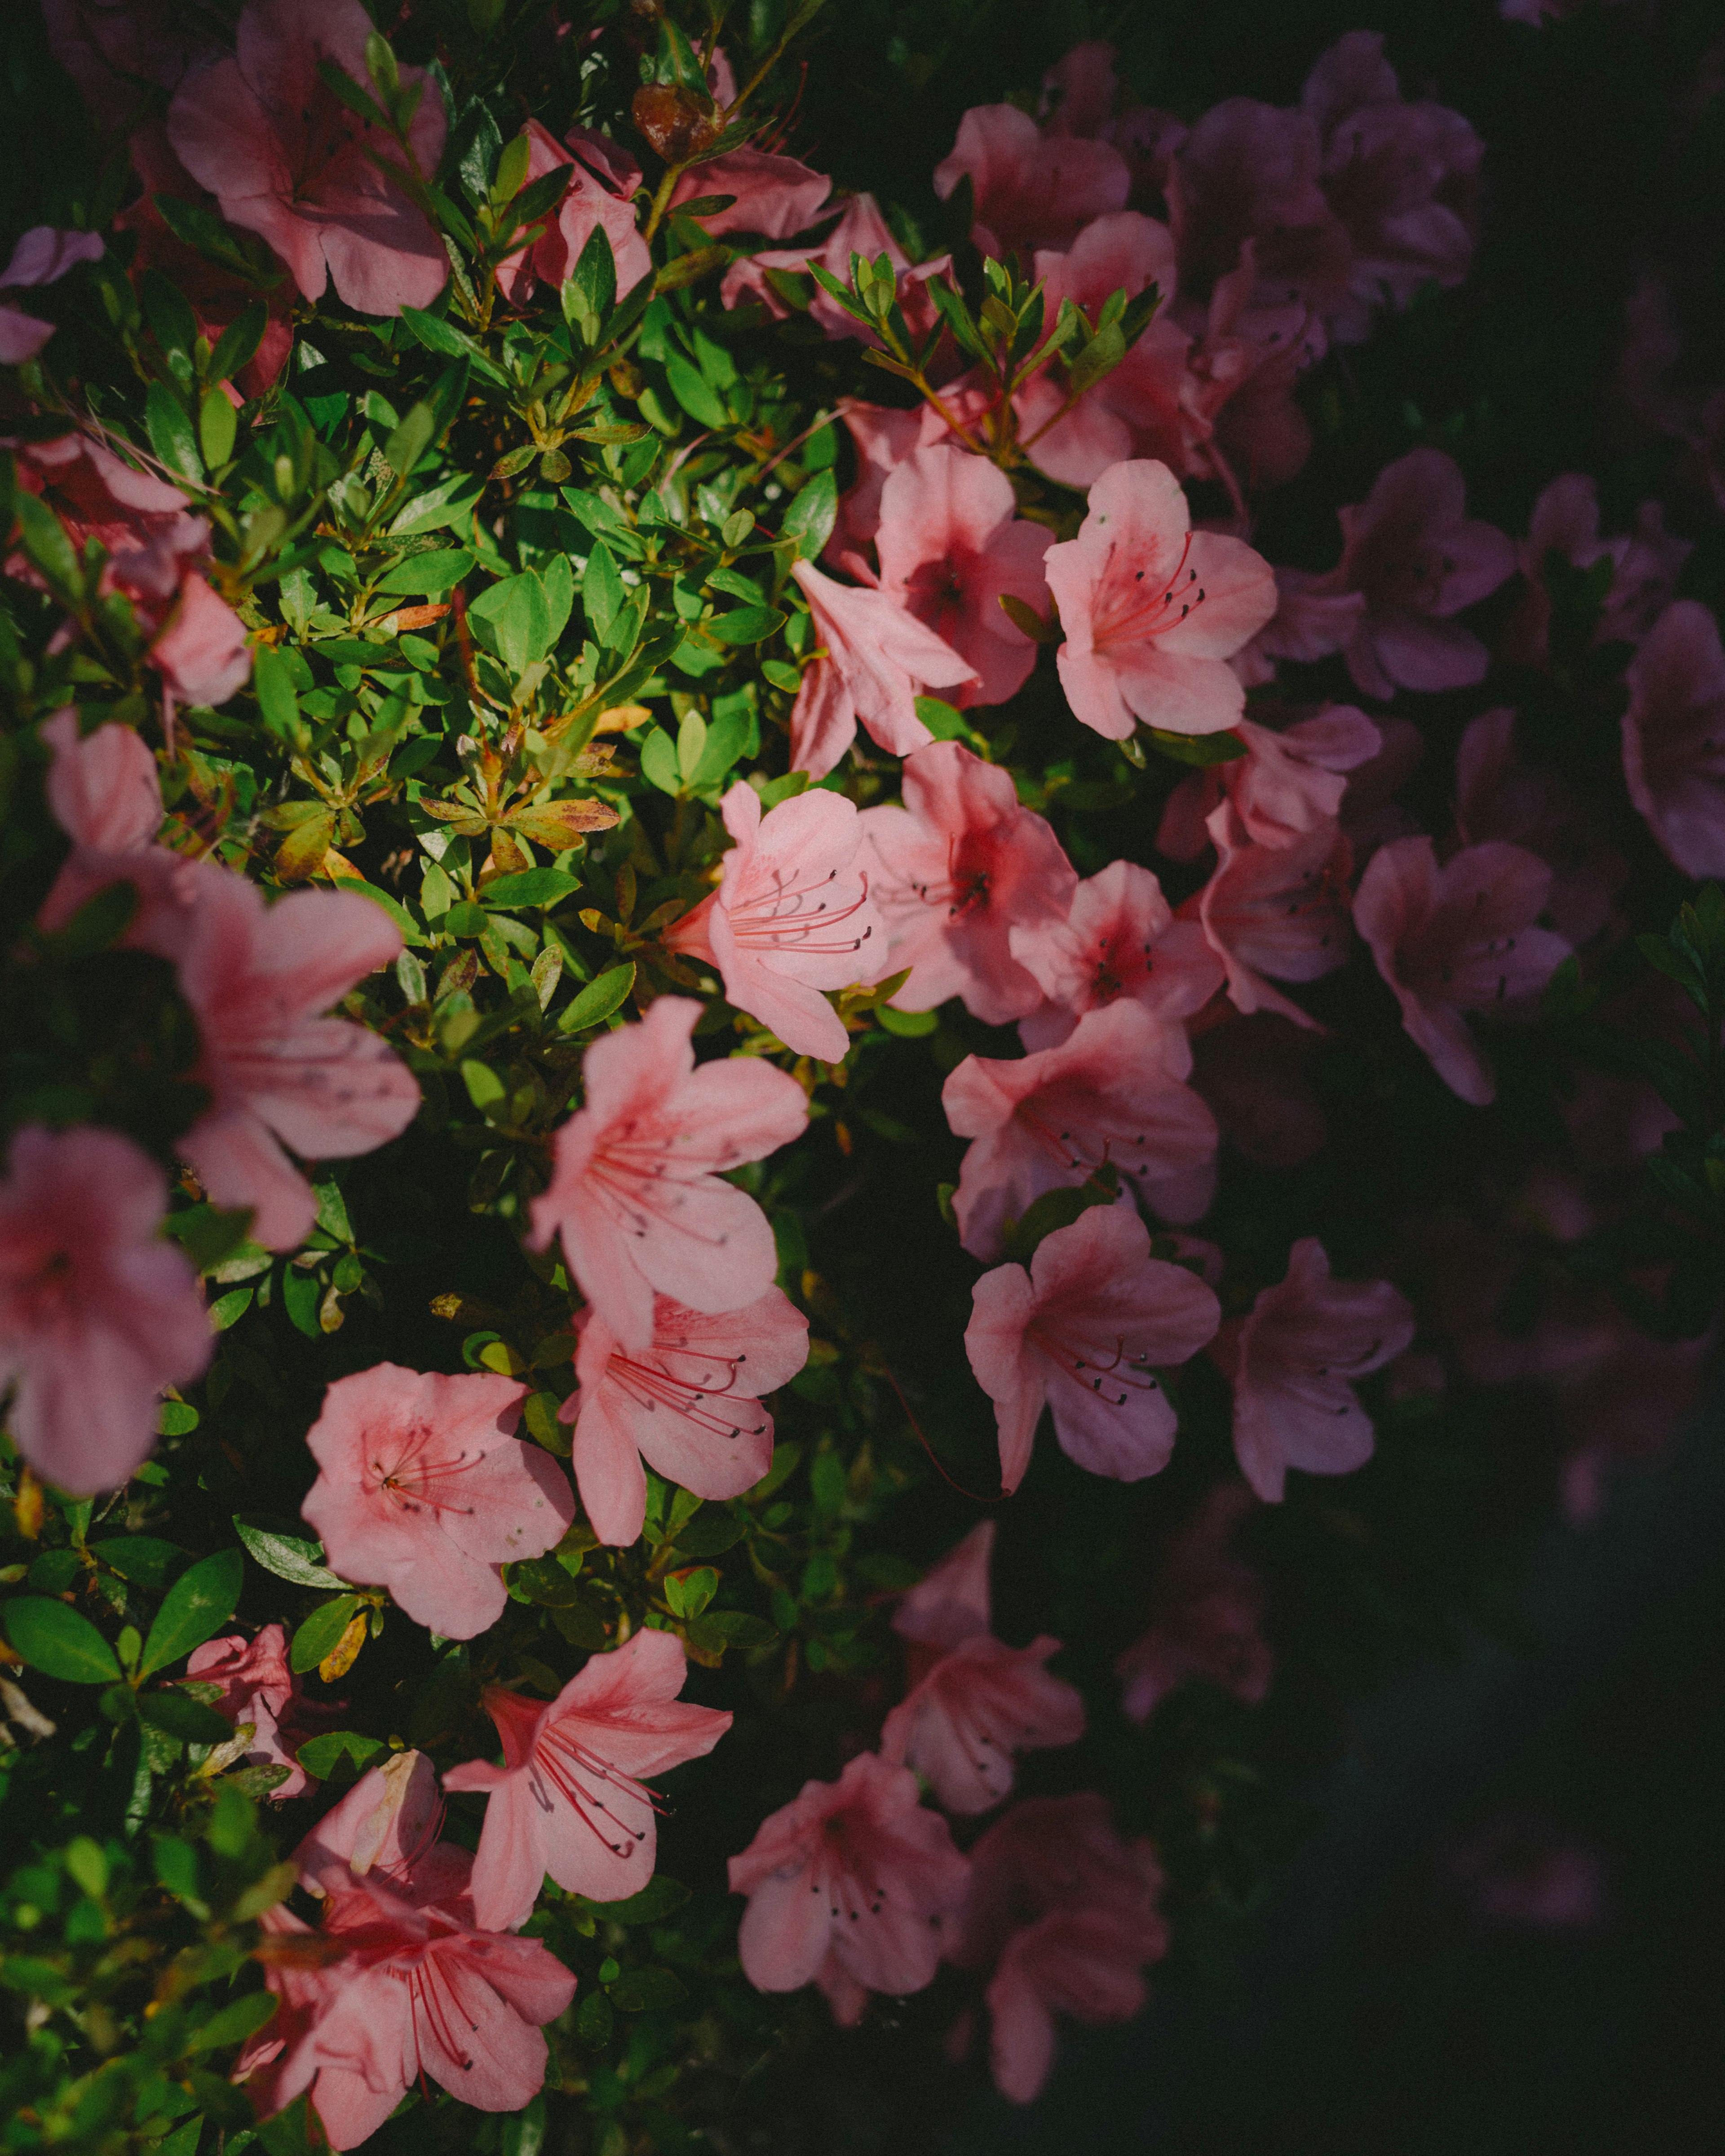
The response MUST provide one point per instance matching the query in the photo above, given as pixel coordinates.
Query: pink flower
(775, 195)
(1249, 171)
(855, 1871)
(258, 1686)
(689, 1405)
(635, 1193)
(43, 256)
(587, 206)
(568, 1798)
(879, 659)
(1209, 1614)
(1120, 943)
(1083, 1962)
(1294, 1357)
(1082, 1333)
(1280, 910)
(1457, 938)
(419, 1990)
(949, 1604)
(387, 1824)
(1111, 1092)
(285, 158)
(102, 787)
(1498, 796)
(421, 1489)
(97, 1314)
(1031, 190)
(1152, 608)
(792, 916)
(1644, 568)
(860, 230)
(1674, 737)
(203, 653)
(949, 545)
(1286, 785)
(1412, 552)
(1307, 625)
(952, 873)
(883, 438)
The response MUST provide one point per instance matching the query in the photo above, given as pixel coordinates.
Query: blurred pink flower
(113, 50)
(1082, 1333)
(1457, 938)
(587, 206)
(1119, 943)
(856, 1870)
(1674, 737)
(258, 1686)
(286, 159)
(1031, 190)
(879, 659)
(689, 1405)
(636, 1192)
(1285, 787)
(1084, 1962)
(950, 543)
(1293, 1358)
(860, 230)
(775, 195)
(568, 1798)
(43, 256)
(102, 787)
(951, 1604)
(201, 654)
(1248, 172)
(1112, 1092)
(952, 873)
(1499, 796)
(1152, 608)
(1275, 910)
(792, 916)
(97, 1313)
(422, 1489)
(1644, 567)
(1207, 1615)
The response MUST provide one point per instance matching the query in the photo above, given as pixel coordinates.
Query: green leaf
(595, 276)
(58, 1642)
(512, 619)
(660, 1898)
(217, 424)
(45, 543)
(644, 1990)
(1200, 749)
(436, 335)
(273, 681)
(533, 887)
(234, 2022)
(169, 426)
(188, 1719)
(290, 1556)
(321, 1756)
(1056, 1209)
(715, 1629)
(694, 392)
(428, 576)
(810, 518)
(659, 761)
(301, 1293)
(609, 992)
(745, 625)
(908, 1025)
(543, 1580)
(227, 1310)
(451, 501)
(594, 2019)
(197, 1605)
(410, 440)
(710, 1533)
(238, 345)
(601, 591)
(689, 1597)
(142, 1560)
(321, 1633)
(1039, 628)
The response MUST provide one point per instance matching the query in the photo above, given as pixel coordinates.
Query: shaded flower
(1287, 786)
(861, 230)
(951, 1604)
(879, 659)
(260, 1686)
(568, 1798)
(775, 195)
(588, 206)
(201, 654)
(97, 1313)
(1674, 737)
(635, 1194)
(1500, 796)
(1083, 1333)
(1249, 171)
(1208, 1615)
(387, 1824)
(689, 1405)
(1275, 910)
(1252, 1073)
(43, 256)
(1031, 189)
(422, 1489)
(1644, 568)
(1119, 943)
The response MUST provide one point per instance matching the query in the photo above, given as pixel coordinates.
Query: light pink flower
(951, 1604)
(775, 195)
(635, 1193)
(1275, 910)
(792, 916)
(1111, 1092)
(1294, 1357)
(1120, 941)
(587, 206)
(689, 1405)
(258, 1686)
(950, 543)
(883, 438)
(1412, 552)
(1674, 737)
(952, 873)
(43, 256)
(1249, 171)
(1031, 190)
(387, 1824)
(102, 787)
(285, 158)
(422, 1489)
(879, 659)
(1644, 567)
(1083, 1333)
(1284, 788)
(1152, 608)
(1208, 1615)
(97, 1314)
(855, 1869)
(568, 1798)
(1500, 796)
(202, 654)
(1457, 938)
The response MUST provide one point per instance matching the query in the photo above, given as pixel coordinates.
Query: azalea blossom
(203, 653)
(880, 658)
(1285, 787)
(855, 1869)
(1031, 190)
(1112, 1093)
(883, 440)
(286, 159)
(259, 1686)
(635, 1194)
(1085, 1963)
(1250, 172)
(111, 50)
(1209, 1614)
(1120, 941)
(1083, 1334)
(688, 1404)
(569, 1798)
(422, 1489)
(775, 195)
(953, 873)
(1457, 938)
(1644, 567)
(1152, 608)
(1252, 1073)
(43, 256)
(950, 544)
(1294, 1357)
(387, 1824)
(861, 230)
(792, 916)
(98, 1314)
(1275, 910)
(588, 206)
(1499, 795)
(951, 1604)
(1674, 737)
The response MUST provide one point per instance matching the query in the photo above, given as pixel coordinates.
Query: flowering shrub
(680, 843)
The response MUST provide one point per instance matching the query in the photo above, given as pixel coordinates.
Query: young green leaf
(197, 1606)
